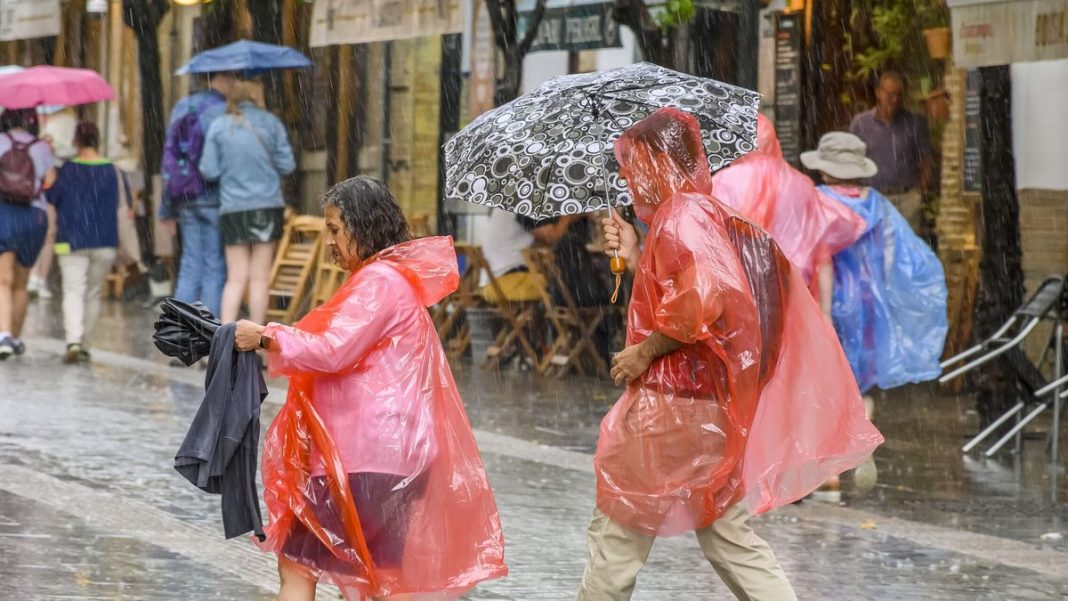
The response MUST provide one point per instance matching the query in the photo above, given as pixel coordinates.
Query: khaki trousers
(84, 272)
(741, 558)
(910, 204)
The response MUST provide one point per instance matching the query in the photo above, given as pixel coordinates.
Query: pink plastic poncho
(760, 403)
(768, 191)
(371, 394)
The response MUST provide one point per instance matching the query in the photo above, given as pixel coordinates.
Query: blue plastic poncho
(889, 297)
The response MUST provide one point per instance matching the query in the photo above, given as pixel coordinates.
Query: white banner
(362, 21)
(26, 19)
(989, 33)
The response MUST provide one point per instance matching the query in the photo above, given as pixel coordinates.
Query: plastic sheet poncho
(371, 393)
(889, 296)
(809, 228)
(759, 404)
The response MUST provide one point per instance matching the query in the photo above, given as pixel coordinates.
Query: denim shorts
(22, 231)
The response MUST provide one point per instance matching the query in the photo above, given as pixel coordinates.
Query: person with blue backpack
(190, 202)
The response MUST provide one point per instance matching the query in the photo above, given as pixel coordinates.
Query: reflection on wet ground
(113, 428)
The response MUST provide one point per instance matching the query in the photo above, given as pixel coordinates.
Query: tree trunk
(143, 17)
(656, 45)
(215, 26)
(1000, 268)
(502, 16)
(510, 81)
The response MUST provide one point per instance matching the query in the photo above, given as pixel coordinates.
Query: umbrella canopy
(549, 153)
(245, 56)
(46, 84)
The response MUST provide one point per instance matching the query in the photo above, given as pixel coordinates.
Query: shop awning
(28, 19)
(992, 32)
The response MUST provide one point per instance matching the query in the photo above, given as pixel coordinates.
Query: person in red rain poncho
(371, 475)
(738, 397)
(809, 228)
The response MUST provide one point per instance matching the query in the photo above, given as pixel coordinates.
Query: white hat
(841, 155)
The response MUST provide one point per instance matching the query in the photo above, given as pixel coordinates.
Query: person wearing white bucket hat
(842, 156)
(889, 304)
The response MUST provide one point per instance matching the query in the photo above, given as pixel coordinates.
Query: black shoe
(7, 347)
(20, 346)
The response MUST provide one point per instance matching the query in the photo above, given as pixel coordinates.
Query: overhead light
(96, 6)
(186, 2)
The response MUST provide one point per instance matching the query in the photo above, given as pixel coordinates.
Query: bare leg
(259, 280)
(7, 281)
(295, 585)
(237, 270)
(44, 259)
(20, 299)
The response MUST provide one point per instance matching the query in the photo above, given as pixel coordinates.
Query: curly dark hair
(371, 214)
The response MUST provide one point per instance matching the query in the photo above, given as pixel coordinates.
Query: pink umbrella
(52, 85)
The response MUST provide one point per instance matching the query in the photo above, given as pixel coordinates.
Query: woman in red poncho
(739, 398)
(371, 475)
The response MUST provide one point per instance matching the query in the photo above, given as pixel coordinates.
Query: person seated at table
(504, 238)
(586, 276)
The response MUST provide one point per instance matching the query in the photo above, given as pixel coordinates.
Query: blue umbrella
(247, 57)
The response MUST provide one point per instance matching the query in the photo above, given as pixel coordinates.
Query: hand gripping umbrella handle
(617, 265)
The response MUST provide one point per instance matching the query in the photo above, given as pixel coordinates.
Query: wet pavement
(90, 507)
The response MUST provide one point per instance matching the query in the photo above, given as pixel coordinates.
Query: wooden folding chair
(517, 317)
(419, 225)
(573, 345)
(294, 261)
(328, 277)
(450, 315)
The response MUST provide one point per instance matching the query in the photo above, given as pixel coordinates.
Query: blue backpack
(181, 154)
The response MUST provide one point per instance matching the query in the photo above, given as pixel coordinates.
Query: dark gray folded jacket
(218, 454)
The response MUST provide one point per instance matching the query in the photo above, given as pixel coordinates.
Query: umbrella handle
(617, 265)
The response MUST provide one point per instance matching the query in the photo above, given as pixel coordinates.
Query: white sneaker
(7, 347)
(38, 287)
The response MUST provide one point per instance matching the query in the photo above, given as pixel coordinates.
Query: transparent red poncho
(371, 474)
(760, 404)
(809, 228)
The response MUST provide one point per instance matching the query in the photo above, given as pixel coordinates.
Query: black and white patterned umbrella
(548, 153)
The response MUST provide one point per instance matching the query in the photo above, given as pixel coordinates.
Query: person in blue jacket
(247, 151)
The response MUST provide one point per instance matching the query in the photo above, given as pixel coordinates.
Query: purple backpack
(181, 154)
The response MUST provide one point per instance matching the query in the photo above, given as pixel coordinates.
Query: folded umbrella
(184, 331)
(46, 84)
(245, 57)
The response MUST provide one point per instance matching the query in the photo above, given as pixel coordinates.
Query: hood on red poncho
(767, 140)
(661, 156)
(429, 265)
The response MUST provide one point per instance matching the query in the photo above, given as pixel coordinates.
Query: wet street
(90, 507)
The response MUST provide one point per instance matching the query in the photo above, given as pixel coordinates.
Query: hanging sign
(972, 156)
(27, 19)
(573, 27)
(788, 85)
(987, 33)
(362, 21)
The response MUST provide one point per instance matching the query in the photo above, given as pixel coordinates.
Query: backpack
(18, 178)
(181, 154)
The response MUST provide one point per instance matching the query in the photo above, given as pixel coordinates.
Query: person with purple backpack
(190, 203)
